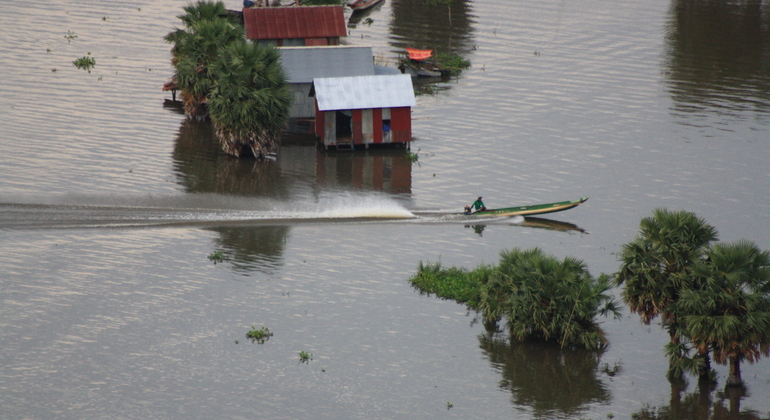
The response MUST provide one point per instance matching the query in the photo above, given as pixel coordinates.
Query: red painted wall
(401, 124)
(358, 135)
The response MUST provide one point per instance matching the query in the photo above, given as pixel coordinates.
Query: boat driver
(478, 205)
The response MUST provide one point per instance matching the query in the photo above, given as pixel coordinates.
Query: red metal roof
(294, 22)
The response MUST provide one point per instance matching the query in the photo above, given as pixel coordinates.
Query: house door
(344, 127)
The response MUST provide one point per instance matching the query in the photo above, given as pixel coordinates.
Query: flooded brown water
(111, 203)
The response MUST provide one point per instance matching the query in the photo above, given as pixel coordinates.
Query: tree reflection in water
(700, 405)
(718, 57)
(202, 167)
(253, 248)
(550, 380)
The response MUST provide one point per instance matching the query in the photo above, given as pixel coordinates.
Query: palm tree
(730, 314)
(250, 104)
(547, 299)
(206, 10)
(196, 48)
(656, 267)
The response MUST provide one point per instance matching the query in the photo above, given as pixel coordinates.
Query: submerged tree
(195, 51)
(206, 10)
(547, 299)
(730, 314)
(239, 85)
(250, 103)
(208, 27)
(540, 297)
(656, 267)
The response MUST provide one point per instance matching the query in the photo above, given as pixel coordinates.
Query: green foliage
(251, 102)
(259, 335)
(452, 62)
(451, 283)
(713, 299)
(413, 157)
(216, 257)
(540, 297)
(208, 28)
(729, 314)
(240, 85)
(547, 299)
(206, 10)
(656, 265)
(305, 357)
(85, 63)
(195, 51)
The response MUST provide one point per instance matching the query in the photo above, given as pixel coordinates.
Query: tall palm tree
(730, 314)
(547, 299)
(656, 267)
(206, 10)
(196, 47)
(250, 104)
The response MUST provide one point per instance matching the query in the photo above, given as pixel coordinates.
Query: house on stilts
(363, 110)
(303, 64)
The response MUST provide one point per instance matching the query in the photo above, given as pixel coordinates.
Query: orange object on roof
(418, 55)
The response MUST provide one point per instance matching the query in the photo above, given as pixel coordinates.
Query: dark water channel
(111, 204)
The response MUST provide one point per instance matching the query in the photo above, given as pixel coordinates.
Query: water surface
(112, 202)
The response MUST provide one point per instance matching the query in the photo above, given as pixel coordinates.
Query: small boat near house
(417, 64)
(359, 5)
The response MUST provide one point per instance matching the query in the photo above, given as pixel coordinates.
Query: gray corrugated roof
(363, 92)
(303, 64)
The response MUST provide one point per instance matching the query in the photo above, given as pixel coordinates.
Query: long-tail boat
(526, 210)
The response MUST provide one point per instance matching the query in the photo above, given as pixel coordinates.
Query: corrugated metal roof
(294, 22)
(363, 92)
(303, 64)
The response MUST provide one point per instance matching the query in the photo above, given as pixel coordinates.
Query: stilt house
(295, 25)
(363, 110)
(303, 64)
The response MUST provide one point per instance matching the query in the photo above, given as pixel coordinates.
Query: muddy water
(111, 203)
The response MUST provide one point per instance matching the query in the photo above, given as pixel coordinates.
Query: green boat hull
(530, 210)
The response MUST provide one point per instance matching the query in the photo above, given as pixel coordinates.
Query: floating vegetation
(452, 63)
(85, 63)
(305, 357)
(413, 157)
(259, 335)
(612, 371)
(70, 36)
(451, 283)
(216, 257)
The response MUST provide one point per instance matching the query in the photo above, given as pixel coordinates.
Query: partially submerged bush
(539, 296)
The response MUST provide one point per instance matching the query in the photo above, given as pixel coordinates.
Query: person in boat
(478, 205)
